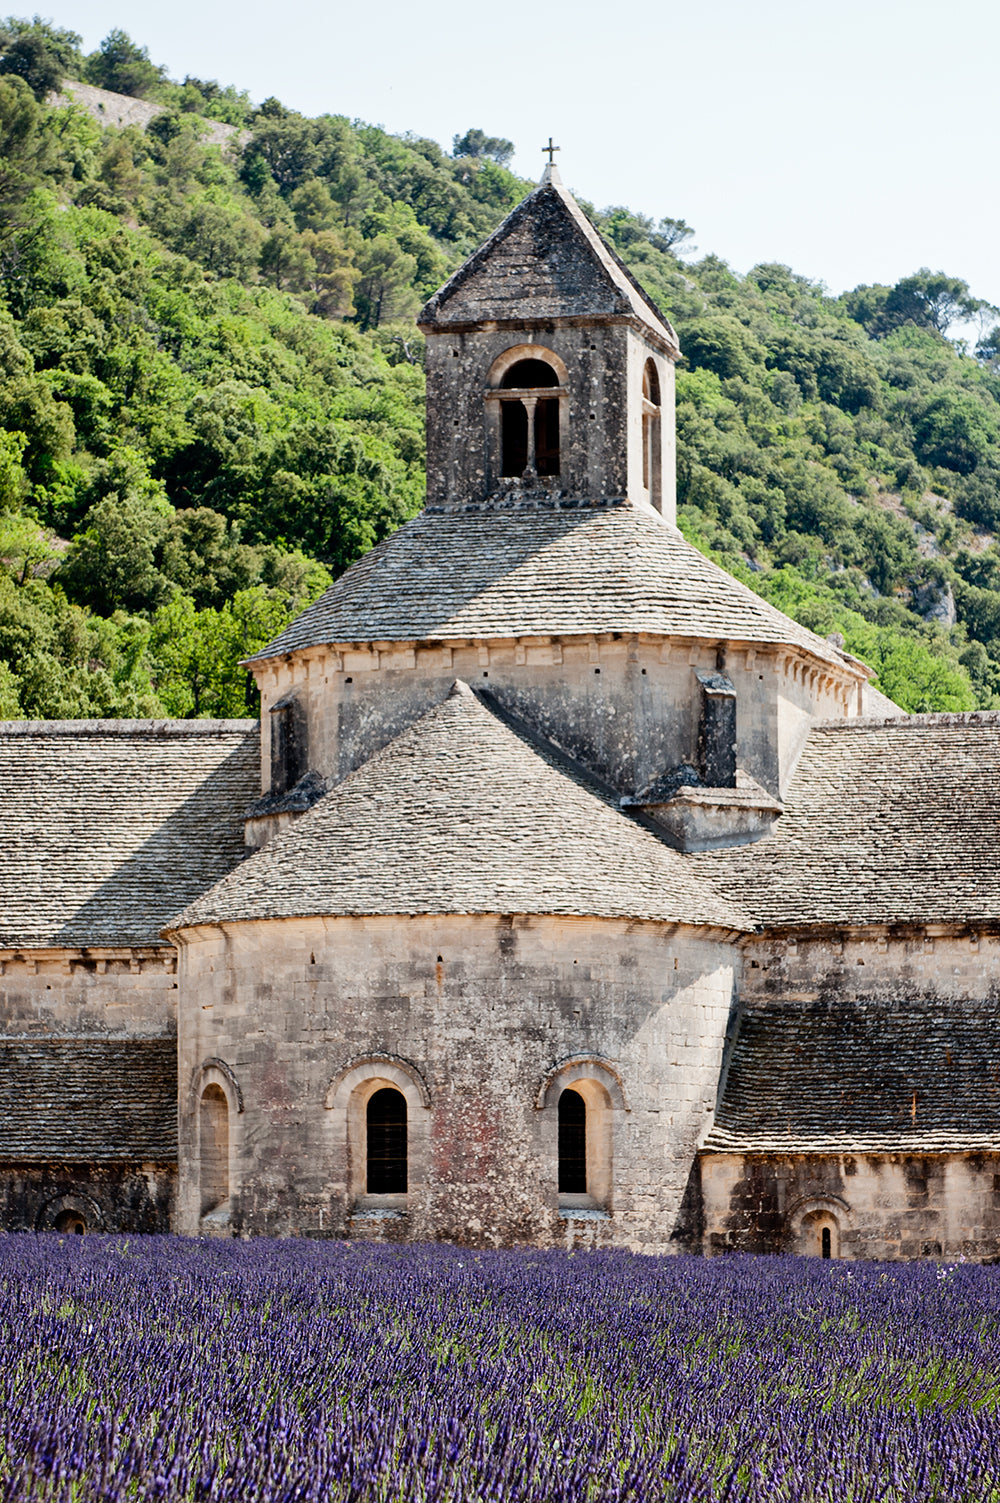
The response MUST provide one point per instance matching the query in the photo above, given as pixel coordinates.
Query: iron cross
(551, 151)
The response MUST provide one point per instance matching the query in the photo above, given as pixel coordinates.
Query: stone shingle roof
(463, 814)
(864, 1077)
(540, 570)
(886, 821)
(546, 260)
(110, 826)
(88, 1100)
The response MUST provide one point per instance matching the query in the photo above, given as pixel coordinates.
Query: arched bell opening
(529, 428)
(652, 458)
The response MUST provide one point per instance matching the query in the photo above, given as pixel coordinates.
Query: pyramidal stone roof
(110, 826)
(893, 820)
(541, 570)
(546, 260)
(821, 1078)
(463, 813)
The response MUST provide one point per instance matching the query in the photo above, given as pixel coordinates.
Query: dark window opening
(572, 1144)
(71, 1221)
(547, 437)
(514, 437)
(827, 1242)
(651, 432)
(529, 426)
(387, 1143)
(529, 373)
(289, 743)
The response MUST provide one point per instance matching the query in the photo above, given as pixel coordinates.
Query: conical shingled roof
(546, 260)
(460, 814)
(540, 571)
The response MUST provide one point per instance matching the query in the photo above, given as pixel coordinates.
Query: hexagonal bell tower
(550, 373)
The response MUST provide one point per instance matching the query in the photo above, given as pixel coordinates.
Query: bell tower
(550, 373)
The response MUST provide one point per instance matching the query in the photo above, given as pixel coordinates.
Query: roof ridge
(911, 720)
(126, 728)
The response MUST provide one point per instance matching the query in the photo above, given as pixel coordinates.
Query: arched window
(529, 420)
(572, 1143)
(386, 1156)
(826, 1242)
(213, 1133)
(651, 442)
(580, 1100)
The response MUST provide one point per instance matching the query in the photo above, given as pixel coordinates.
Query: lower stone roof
(88, 1100)
(863, 1077)
(465, 813)
(110, 826)
(887, 820)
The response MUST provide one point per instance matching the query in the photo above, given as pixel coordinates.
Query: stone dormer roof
(541, 570)
(88, 1100)
(862, 1077)
(109, 826)
(463, 813)
(545, 261)
(893, 820)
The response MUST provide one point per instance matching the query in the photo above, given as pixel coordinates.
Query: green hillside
(211, 397)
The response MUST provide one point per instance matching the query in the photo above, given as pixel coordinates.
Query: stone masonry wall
(878, 1205)
(68, 992)
(480, 1011)
(626, 708)
(106, 1197)
(921, 963)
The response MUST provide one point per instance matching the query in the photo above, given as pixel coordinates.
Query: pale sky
(855, 142)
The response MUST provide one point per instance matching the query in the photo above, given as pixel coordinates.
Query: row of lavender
(164, 1368)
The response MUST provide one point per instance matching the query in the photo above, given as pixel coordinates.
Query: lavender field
(159, 1368)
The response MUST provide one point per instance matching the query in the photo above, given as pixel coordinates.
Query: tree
(670, 234)
(956, 430)
(121, 65)
(27, 151)
(385, 287)
(38, 52)
(476, 143)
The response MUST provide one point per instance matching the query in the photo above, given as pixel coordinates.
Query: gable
(538, 263)
(545, 261)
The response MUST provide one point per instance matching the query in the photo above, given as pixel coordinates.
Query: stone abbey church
(567, 894)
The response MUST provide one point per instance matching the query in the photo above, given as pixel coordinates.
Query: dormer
(550, 373)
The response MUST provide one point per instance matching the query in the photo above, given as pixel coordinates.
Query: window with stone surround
(526, 413)
(213, 1137)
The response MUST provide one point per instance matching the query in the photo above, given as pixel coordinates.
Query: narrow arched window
(529, 421)
(651, 433)
(386, 1152)
(572, 1143)
(214, 1144)
(827, 1243)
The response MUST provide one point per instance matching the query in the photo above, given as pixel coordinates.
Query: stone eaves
(461, 814)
